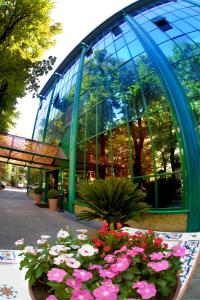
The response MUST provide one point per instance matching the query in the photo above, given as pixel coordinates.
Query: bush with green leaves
(52, 194)
(113, 200)
(38, 191)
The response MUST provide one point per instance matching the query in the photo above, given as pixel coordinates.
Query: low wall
(160, 222)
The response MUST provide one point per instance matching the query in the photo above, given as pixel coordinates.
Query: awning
(30, 153)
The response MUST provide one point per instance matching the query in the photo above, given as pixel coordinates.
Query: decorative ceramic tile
(8, 292)
(8, 256)
(13, 286)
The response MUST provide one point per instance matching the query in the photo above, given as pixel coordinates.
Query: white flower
(62, 258)
(45, 237)
(73, 263)
(41, 242)
(55, 250)
(82, 230)
(30, 249)
(75, 247)
(82, 237)
(87, 250)
(62, 234)
(19, 242)
(59, 260)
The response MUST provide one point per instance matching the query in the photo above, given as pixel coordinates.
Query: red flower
(105, 225)
(119, 225)
(150, 231)
(157, 242)
(107, 248)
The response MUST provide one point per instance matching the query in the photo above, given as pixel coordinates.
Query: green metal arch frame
(73, 133)
(184, 116)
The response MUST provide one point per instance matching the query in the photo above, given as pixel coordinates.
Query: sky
(78, 19)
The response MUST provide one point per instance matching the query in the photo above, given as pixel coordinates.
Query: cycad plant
(113, 200)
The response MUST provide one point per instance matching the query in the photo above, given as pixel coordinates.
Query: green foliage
(138, 257)
(26, 31)
(38, 190)
(52, 194)
(13, 181)
(112, 200)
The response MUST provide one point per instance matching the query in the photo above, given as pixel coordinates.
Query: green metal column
(73, 133)
(47, 181)
(182, 112)
(57, 77)
(60, 180)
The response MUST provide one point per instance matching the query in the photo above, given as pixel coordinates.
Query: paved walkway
(19, 217)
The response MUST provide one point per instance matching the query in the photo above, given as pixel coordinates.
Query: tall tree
(26, 31)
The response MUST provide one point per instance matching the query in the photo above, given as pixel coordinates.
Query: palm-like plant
(113, 200)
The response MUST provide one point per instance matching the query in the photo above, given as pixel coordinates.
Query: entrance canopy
(29, 153)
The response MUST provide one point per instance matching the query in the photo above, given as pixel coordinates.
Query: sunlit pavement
(20, 218)
(12, 189)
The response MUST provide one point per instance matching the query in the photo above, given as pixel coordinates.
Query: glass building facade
(125, 103)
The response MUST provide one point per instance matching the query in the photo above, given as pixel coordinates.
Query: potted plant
(53, 200)
(115, 265)
(37, 195)
(114, 201)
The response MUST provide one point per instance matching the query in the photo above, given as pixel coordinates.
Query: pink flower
(156, 256)
(74, 283)
(105, 292)
(81, 295)
(109, 258)
(179, 251)
(93, 267)
(138, 249)
(51, 297)
(139, 284)
(108, 282)
(82, 275)
(107, 273)
(147, 291)
(119, 266)
(159, 266)
(124, 257)
(56, 275)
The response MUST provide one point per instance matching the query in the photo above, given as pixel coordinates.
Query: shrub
(52, 194)
(38, 190)
(113, 200)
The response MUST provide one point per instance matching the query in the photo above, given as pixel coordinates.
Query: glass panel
(141, 147)
(190, 79)
(132, 102)
(104, 162)
(135, 48)
(121, 155)
(119, 43)
(91, 122)
(81, 129)
(91, 159)
(103, 116)
(158, 36)
(143, 65)
(81, 173)
(127, 74)
(130, 36)
(123, 55)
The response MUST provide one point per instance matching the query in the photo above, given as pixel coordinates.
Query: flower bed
(114, 265)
